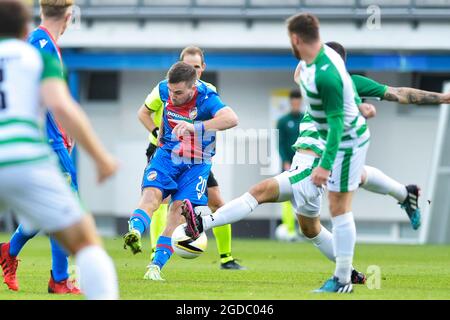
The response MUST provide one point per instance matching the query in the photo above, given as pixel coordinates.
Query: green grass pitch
(276, 271)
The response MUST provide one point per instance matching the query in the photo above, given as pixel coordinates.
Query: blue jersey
(57, 138)
(202, 107)
(42, 40)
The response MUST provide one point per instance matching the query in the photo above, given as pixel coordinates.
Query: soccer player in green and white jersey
(150, 114)
(30, 181)
(333, 107)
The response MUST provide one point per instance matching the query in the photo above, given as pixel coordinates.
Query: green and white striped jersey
(309, 139)
(22, 68)
(329, 91)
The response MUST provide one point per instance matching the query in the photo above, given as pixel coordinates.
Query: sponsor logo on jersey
(43, 43)
(176, 115)
(152, 176)
(325, 67)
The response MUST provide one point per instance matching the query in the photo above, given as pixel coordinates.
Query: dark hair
(339, 48)
(305, 25)
(14, 18)
(192, 51)
(295, 94)
(55, 8)
(182, 72)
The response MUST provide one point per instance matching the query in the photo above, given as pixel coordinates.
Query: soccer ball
(185, 247)
(282, 234)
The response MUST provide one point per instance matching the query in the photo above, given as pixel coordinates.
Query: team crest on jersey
(152, 176)
(193, 114)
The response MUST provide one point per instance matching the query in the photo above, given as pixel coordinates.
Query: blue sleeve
(163, 91)
(47, 48)
(214, 104)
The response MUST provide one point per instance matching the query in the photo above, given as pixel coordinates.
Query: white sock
(324, 242)
(231, 212)
(97, 274)
(344, 238)
(378, 182)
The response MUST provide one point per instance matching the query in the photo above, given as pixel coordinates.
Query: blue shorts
(67, 167)
(181, 181)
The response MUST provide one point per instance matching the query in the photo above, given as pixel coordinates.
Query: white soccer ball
(185, 247)
(282, 234)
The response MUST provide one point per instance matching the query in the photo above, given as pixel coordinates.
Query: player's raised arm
(405, 95)
(55, 94)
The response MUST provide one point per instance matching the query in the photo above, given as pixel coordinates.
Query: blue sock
(140, 221)
(60, 262)
(163, 251)
(18, 240)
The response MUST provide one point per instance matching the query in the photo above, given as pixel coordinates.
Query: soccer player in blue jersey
(56, 15)
(180, 167)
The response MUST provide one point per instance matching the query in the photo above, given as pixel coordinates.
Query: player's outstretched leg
(237, 209)
(376, 181)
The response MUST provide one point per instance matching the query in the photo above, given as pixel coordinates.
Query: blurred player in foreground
(31, 184)
(56, 15)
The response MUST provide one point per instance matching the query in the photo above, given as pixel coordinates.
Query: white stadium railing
(260, 9)
(436, 228)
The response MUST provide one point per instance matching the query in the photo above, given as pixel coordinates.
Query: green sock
(287, 217)
(223, 239)
(158, 225)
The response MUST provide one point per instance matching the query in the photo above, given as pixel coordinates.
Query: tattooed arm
(415, 96)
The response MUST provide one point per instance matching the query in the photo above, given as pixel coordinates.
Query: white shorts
(347, 169)
(296, 185)
(39, 196)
